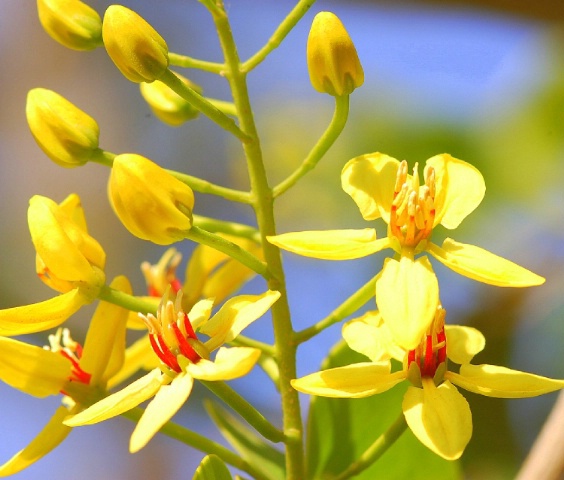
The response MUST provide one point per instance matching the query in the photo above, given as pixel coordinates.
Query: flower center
(171, 334)
(62, 343)
(413, 208)
(432, 351)
(158, 277)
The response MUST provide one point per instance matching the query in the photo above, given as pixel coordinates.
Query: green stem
(130, 302)
(245, 409)
(226, 107)
(280, 33)
(243, 341)
(231, 228)
(189, 62)
(328, 138)
(103, 158)
(348, 307)
(263, 204)
(376, 450)
(199, 442)
(203, 105)
(196, 234)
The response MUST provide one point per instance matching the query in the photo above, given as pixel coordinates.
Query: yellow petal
(121, 401)
(104, 347)
(439, 417)
(48, 439)
(353, 381)
(407, 294)
(370, 336)
(463, 343)
(501, 382)
(200, 313)
(229, 363)
(370, 180)
(42, 315)
(139, 355)
(160, 410)
(483, 266)
(32, 369)
(331, 244)
(234, 315)
(460, 188)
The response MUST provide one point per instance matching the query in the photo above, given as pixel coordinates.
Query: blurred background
(483, 81)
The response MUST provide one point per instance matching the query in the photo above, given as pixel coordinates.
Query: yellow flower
(81, 374)
(436, 412)
(136, 48)
(72, 23)
(407, 291)
(167, 105)
(149, 201)
(66, 134)
(184, 357)
(332, 61)
(68, 260)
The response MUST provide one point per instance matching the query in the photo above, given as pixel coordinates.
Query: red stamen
(410, 357)
(153, 292)
(185, 347)
(176, 285)
(164, 353)
(189, 328)
(429, 366)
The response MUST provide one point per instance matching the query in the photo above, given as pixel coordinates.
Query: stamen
(185, 348)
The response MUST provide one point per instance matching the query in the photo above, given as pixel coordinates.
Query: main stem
(263, 205)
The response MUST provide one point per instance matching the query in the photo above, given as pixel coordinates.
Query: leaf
(212, 468)
(252, 447)
(340, 430)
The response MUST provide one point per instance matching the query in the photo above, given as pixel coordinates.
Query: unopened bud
(333, 63)
(167, 105)
(66, 134)
(135, 47)
(72, 23)
(149, 201)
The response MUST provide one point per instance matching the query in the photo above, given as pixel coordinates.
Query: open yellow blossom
(407, 289)
(68, 260)
(184, 357)
(436, 412)
(82, 375)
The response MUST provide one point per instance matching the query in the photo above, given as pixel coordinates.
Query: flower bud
(166, 104)
(72, 23)
(135, 47)
(149, 201)
(333, 63)
(66, 134)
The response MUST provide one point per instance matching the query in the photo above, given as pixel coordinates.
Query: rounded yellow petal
(463, 343)
(72, 23)
(149, 201)
(501, 382)
(332, 61)
(407, 295)
(135, 47)
(331, 244)
(47, 440)
(160, 410)
(460, 188)
(483, 266)
(32, 369)
(358, 380)
(66, 134)
(229, 363)
(370, 180)
(439, 417)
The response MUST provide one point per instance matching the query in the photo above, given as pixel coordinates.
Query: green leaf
(340, 430)
(252, 447)
(212, 468)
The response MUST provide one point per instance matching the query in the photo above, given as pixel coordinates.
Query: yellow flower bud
(135, 47)
(333, 63)
(149, 201)
(72, 23)
(166, 104)
(66, 134)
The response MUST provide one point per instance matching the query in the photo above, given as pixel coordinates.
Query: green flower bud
(134, 46)
(166, 104)
(333, 63)
(149, 201)
(66, 134)
(72, 23)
